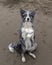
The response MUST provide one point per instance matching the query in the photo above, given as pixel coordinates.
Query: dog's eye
(31, 15)
(24, 15)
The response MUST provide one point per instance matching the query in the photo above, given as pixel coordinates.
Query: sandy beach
(10, 20)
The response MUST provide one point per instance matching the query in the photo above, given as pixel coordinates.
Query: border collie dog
(27, 37)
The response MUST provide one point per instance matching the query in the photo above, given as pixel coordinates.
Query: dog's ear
(22, 12)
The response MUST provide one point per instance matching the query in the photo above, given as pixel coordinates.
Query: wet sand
(10, 21)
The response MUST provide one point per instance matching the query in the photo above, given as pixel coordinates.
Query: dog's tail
(11, 47)
(15, 47)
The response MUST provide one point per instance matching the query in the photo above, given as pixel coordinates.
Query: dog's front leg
(23, 57)
(32, 55)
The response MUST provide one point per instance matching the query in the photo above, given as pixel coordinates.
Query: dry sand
(10, 21)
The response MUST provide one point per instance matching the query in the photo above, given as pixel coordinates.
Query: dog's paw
(23, 59)
(31, 54)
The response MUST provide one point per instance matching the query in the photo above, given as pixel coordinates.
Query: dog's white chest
(28, 44)
(27, 32)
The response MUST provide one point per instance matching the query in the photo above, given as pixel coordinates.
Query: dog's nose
(27, 19)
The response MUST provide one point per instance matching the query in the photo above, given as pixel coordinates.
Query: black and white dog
(27, 37)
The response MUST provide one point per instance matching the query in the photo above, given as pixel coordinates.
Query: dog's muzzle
(27, 19)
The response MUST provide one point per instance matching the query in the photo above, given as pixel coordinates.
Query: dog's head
(27, 16)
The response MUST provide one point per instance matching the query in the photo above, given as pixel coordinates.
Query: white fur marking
(23, 59)
(11, 49)
(31, 54)
(28, 31)
(27, 15)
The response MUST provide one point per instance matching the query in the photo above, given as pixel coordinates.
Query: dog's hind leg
(33, 49)
(32, 55)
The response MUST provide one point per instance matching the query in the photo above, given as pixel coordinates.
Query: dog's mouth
(27, 24)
